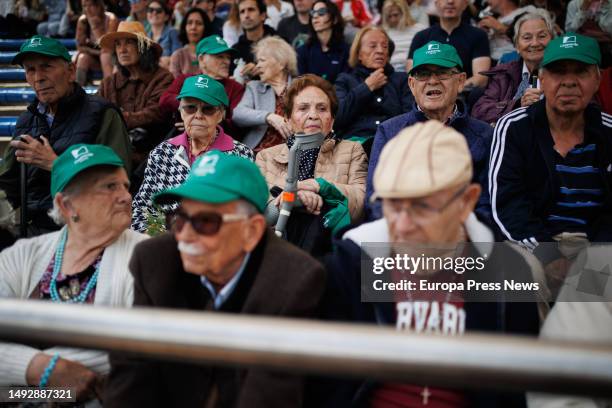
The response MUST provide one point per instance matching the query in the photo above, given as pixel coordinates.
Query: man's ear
(462, 76)
(253, 232)
(469, 199)
(411, 83)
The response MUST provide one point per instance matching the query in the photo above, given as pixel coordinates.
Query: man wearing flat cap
(550, 174)
(424, 181)
(436, 78)
(61, 115)
(219, 257)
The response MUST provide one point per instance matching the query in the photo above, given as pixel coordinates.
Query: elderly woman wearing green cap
(85, 262)
(220, 257)
(203, 102)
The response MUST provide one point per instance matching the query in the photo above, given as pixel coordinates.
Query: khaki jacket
(342, 163)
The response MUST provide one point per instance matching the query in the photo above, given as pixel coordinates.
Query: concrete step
(12, 110)
(18, 74)
(12, 96)
(15, 44)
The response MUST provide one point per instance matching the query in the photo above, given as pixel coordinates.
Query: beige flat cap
(422, 159)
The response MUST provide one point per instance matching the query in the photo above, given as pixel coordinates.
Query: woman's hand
(531, 96)
(376, 79)
(66, 374)
(311, 201)
(309, 185)
(36, 152)
(280, 124)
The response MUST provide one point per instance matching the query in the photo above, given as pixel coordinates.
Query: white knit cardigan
(22, 267)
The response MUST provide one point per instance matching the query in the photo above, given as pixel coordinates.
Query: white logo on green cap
(433, 48)
(569, 41)
(220, 40)
(207, 165)
(35, 42)
(202, 82)
(81, 154)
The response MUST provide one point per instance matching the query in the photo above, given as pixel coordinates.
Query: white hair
(536, 14)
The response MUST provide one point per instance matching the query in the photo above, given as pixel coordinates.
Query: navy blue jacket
(477, 134)
(328, 65)
(523, 183)
(360, 110)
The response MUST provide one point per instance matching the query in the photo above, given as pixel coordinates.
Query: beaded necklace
(57, 266)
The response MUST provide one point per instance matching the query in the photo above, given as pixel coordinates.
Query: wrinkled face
(302, 6)
(321, 22)
(51, 78)
(394, 15)
(311, 112)
(569, 85)
(532, 39)
(268, 66)
(374, 50)
(250, 17)
(90, 8)
(156, 15)
(436, 88)
(436, 218)
(127, 52)
(216, 66)
(105, 204)
(217, 256)
(200, 118)
(451, 9)
(194, 28)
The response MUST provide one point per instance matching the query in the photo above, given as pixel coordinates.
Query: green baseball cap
(219, 178)
(77, 158)
(572, 46)
(213, 44)
(435, 53)
(204, 88)
(44, 46)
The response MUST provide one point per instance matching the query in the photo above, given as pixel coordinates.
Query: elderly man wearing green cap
(203, 103)
(436, 78)
(86, 262)
(220, 257)
(424, 180)
(61, 115)
(214, 58)
(550, 173)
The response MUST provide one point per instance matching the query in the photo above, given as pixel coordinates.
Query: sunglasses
(204, 223)
(155, 10)
(206, 110)
(319, 12)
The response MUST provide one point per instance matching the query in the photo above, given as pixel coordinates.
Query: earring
(75, 218)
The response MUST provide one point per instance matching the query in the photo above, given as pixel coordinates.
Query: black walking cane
(23, 180)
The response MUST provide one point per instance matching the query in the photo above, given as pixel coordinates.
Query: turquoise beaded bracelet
(44, 378)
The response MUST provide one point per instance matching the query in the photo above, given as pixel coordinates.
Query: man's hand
(280, 124)
(311, 201)
(376, 79)
(531, 96)
(66, 374)
(493, 24)
(36, 152)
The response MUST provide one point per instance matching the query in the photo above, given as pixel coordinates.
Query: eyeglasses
(441, 74)
(155, 10)
(420, 212)
(206, 110)
(204, 223)
(318, 12)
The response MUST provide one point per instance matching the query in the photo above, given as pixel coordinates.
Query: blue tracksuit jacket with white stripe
(523, 183)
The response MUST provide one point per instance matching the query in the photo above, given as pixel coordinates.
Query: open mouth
(434, 93)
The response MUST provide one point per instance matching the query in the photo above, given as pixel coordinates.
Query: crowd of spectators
(446, 121)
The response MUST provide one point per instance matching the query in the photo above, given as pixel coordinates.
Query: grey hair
(537, 14)
(280, 50)
(246, 208)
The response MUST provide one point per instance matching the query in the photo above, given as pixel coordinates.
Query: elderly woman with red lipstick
(510, 85)
(311, 108)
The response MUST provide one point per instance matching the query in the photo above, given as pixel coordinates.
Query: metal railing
(294, 345)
